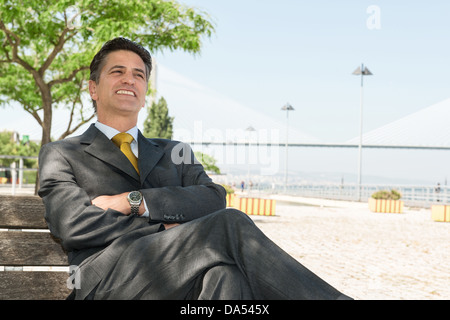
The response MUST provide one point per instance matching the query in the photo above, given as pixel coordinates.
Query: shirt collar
(110, 132)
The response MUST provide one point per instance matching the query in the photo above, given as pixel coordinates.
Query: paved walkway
(365, 255)
(26, 190)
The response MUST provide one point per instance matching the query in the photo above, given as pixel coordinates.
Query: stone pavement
(365, 255)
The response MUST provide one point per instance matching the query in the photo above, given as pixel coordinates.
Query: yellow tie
(123, 140)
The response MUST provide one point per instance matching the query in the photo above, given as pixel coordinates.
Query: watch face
(135, 196)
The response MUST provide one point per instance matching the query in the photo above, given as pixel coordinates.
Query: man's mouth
(126, 92)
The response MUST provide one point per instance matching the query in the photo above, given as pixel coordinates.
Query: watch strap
(135, 209)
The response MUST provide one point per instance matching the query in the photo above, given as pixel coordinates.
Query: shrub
(387, 195)
(228, 188)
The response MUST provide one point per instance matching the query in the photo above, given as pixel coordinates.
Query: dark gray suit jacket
(76, 170)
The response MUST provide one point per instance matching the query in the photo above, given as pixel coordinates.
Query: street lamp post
(287, 107)
(361, 71)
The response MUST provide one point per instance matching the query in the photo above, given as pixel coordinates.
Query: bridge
(426, 129)
(319, 145)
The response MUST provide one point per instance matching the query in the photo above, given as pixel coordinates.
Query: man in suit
(142, 220)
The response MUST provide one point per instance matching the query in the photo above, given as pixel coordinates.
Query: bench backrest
(33, 264)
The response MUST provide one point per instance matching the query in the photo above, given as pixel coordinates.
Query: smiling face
(121, 87)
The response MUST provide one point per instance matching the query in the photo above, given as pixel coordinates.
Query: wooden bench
(33, 264)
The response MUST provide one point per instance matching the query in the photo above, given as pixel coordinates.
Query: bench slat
(22, 212)
(30, 249)
(18, 248)
(18, 285)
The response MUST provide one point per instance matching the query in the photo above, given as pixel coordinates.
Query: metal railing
(412, 195)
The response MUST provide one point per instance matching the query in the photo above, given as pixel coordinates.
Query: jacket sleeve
(191, 196)
(70, 214)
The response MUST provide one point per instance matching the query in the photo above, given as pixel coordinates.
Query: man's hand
(117, 202)
(167, 226)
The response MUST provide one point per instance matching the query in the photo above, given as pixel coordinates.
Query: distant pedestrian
(242, 185)
(437, 190)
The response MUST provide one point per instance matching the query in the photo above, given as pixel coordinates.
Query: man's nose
(128, 78)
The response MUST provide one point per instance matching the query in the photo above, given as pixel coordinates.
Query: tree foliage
(158, 124)
(8, 146)
(208, 162)
(46, 47)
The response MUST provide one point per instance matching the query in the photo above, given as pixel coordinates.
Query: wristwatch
(135, 199)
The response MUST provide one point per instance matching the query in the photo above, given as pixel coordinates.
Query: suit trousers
(223, 255)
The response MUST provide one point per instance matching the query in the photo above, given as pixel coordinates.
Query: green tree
(46, 47)
(10, 147)
(158, 124)
(208, 162)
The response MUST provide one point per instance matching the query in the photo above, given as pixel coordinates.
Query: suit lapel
(104, 149)
(149, 151)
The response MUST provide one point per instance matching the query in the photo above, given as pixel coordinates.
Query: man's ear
(93, 90)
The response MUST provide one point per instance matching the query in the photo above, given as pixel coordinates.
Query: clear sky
(267, 53)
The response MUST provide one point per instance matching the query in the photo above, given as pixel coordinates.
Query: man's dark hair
(114, 45)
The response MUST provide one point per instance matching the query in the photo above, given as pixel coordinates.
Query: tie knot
(121, 138)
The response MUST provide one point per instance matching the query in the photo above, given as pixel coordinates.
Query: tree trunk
(46, 126)
(46, 121)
